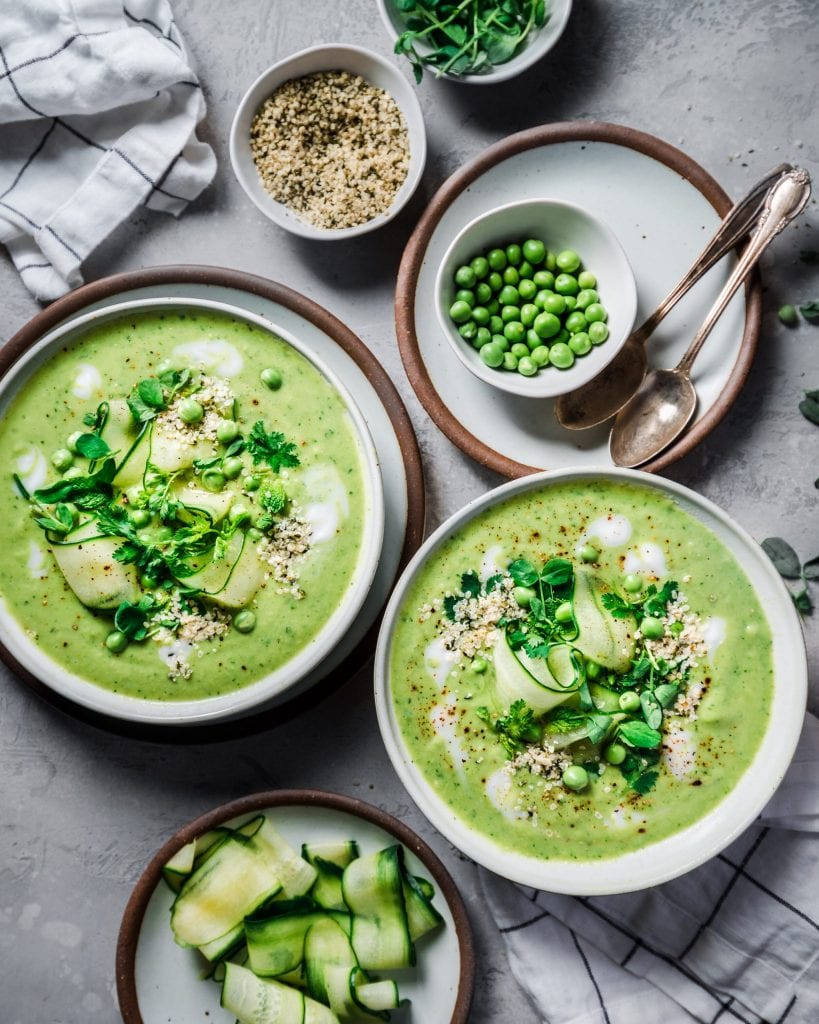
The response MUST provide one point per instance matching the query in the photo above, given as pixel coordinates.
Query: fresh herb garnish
(786, 562)
(134, 620)
(470, 587)
(810, 311)
(516, 728)
(272, 448)
(639, 775)
(638, 734)
(467, 37)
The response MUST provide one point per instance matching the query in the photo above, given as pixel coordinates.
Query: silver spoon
(606, 394)
(663, 406)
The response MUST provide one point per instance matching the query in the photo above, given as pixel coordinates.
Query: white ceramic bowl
(693, 845)
(537, 44)
(561, 226)
(357, 61)
(267, 690)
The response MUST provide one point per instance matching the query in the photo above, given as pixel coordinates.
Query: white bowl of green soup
(192, 515)
(590, 681)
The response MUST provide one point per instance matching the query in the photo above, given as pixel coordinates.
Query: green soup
(228, 559)
(661, 671)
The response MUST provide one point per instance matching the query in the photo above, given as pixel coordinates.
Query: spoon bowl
(658, 413)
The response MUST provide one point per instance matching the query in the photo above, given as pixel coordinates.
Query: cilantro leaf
(470, 584)
(644, 782)
(637, 772)
(493, 583)
(271, 448)
(615, 604)
(516, 728)
(657, 601)
(449, 606)
(134, 619)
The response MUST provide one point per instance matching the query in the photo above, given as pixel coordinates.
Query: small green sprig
(517, 728)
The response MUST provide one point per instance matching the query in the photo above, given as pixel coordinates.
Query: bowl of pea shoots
(474, 41)
(536, 297)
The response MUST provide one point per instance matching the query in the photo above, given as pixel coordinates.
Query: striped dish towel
(98, 111)
(734, 942)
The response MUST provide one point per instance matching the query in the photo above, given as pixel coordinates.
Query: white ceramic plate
(705, 838)
(659, 205)
(158, 981)
(323, 335)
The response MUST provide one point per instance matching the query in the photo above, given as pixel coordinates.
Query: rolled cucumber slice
(264, 1001)
(604, 639)
(542, 683)
(373, 891)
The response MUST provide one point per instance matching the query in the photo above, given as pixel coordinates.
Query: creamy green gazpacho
(185, 512)
(581, 670)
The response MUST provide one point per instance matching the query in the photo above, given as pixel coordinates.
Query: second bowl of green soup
(590, 681)
(192, 515)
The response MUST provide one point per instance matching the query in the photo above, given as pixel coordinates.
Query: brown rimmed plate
(373, 392)
(661, 205)
(157, 981)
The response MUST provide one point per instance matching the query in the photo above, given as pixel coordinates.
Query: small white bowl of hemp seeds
(329, 143)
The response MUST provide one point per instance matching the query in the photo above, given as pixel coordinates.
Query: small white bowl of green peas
(536, 297)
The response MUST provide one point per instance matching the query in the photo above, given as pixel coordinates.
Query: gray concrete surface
(734, 84)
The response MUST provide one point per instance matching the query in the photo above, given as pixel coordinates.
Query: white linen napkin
(734, 942)
(98, 110)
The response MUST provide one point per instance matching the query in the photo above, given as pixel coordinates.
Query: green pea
(510, 361)
(253, 534)
(510, 313)
(465, 277)
(495, 281)
(532, 339)
(596, 313)
(562, 336)
(147, 581)
(496, 259)
(544, 279)
(515, 332)
(550, 263)
(586, 279)
(652, 628)
(483, 293)
(271, 378)
(116, 642)
(483, 337)
(71, 441)
(593, 670)
(509, 296)
(589, 553)
(541, 298)
(561, 356)
(527, 366)
(480, 267)
(580, 343)
(469, 330)
(629, 701)
(492, 354)
(136, 496)
(520, 350)
(496, 325)
(633, 583)
(528, 314)
(481, 315)
(523, 596)
(213, 480)
(554, 303)
(788, 315)
(586, 296)
(568, 261)
(540, 355)
(564, 612)
(460, 311)
(244, 621)
(511, 276)
(191, 411)
(239, 514)
(494, 307)
(501, 341)
(227, 431)
(62, 460)
(615, 753)
(565, 284)
(534, 250)
(232, 467)
(575, 777)
(140, 517)
(598, 332)
(251, 482)
(571, 302)
(514, 254)
(479, 665)
(546, 325)
(465, 295)
(526, 270)
(527, 290)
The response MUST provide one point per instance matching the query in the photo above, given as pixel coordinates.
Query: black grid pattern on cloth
(8, 72)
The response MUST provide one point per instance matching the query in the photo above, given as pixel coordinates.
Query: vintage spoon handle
(737, 223)
(785, 200)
